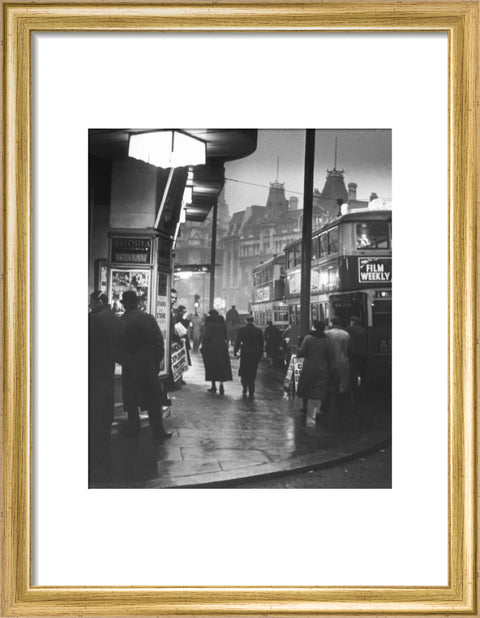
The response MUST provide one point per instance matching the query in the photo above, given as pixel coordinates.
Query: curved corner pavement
(219, 439)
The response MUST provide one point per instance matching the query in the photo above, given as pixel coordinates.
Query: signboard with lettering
(293, 374)
(375, 270)
(162, 309)
(297, 370)
(131, 250)
(178, 358)
(263, 293)
(287, 383)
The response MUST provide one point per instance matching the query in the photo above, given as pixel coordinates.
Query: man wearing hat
(142, 352)
(250, 343)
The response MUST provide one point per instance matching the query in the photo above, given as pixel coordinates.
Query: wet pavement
(221, 439)
(370, 471)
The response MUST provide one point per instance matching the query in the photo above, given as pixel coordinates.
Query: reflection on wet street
(221, 437)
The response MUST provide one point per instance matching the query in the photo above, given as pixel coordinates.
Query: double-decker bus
(351, 275)
(268, 302)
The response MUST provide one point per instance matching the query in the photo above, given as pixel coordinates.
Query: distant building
(193, 249)
(259, 232)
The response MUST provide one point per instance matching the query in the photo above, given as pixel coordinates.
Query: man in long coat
(250, 343)
(233, 324)
(142, 352)
(104, 333)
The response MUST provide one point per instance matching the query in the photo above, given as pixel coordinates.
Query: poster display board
(162, 316)
(125, 279)
(292, 376)
(297, 370)
(178, 358)
(288, 382)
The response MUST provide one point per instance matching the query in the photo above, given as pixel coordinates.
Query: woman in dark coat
(215, 351)
(318, 363)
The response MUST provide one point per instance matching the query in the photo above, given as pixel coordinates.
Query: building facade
(192, 260)
(260, 232)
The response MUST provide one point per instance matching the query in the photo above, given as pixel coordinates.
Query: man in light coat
(339, 339)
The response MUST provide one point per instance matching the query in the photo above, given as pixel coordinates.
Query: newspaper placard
(297, 370)
(288, 383)
(178, 359)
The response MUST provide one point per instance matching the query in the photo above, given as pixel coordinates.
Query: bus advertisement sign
(375, 270)
(262, 294)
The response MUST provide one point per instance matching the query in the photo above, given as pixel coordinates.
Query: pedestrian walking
(142, 352)
(357, 356)
(339, 339)
(104, 334)
(196, 322)
(182, 327)
(215, 352)
(250, 344)
(318, 365)
(233, 324)
(273, 344)
(290, 339)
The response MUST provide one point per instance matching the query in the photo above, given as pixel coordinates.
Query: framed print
(389, 91)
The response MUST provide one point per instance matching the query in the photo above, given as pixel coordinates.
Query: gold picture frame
(20, 19)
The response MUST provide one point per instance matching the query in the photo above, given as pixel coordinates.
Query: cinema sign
(375, 270)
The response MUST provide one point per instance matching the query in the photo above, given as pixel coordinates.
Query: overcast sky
(364, 154)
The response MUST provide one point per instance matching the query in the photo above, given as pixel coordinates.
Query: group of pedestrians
(135, 341)
(335, 361)
(215, 352)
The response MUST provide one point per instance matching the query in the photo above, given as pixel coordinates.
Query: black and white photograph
(240, 308)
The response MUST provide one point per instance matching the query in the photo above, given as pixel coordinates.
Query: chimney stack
(373, 196)
(352, 191)
(293, 203)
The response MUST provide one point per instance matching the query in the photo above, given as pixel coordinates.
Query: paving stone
(242, 456)
(217, 438)
(186, 468)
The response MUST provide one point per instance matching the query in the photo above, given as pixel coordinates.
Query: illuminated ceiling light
(167, 149)
(205, 190)
(183, 214)
(187, 195)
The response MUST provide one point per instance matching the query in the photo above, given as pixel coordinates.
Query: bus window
(373, 235)
(279, 315)
(382, 313)
(333, 240)
(346, 306)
